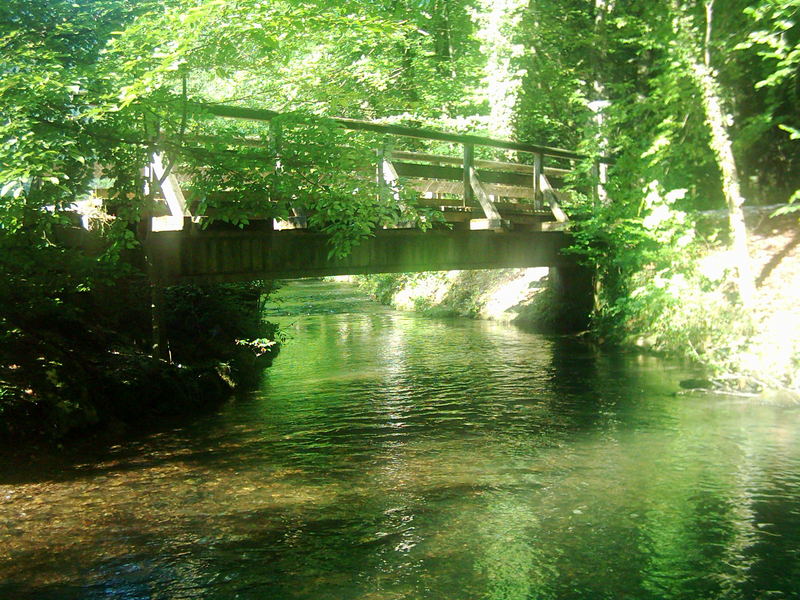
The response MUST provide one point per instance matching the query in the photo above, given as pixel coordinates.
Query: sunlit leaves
(777, 40)
(299, 167)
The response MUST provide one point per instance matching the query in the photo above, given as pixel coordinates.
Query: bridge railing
(523, 192)
(504, 193)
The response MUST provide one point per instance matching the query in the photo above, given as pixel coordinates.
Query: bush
(73, 356)
(222, 323)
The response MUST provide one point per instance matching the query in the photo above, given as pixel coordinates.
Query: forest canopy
(92, 81)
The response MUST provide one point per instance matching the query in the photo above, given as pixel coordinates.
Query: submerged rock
(697, 384)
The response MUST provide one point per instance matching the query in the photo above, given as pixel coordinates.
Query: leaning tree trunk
(599, 105)
(721, 145)
(716, 119)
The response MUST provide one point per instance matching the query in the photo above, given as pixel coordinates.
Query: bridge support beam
(574, 294)
(220, 256)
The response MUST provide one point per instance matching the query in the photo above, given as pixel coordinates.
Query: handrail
(521, 168)
(260, 114)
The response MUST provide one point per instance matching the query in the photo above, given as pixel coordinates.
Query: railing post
(275, 142)
(388, 180)
(537, 180)
(596, 183)
(602, 179)
(380, 177)
(469, 158)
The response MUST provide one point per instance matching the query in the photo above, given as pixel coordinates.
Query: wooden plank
(466, 174)
(510, 179)
(444, 203)
(428, 171)
(303, 254)
(552, 196)
(421, 171)
(493, 165)
(514, 208)
(256, 114)
(537, 179)
(399, 155)
(437, 186)
(488, 224)
(390, 173)
(173, 196)
(456, 188)
(507, 191)
(458, 216)
(483, 198)
(555, 226)
(536, 220)
(390, 179)
(256, 249)
(455, 214)
(380, 177)
(524, 213)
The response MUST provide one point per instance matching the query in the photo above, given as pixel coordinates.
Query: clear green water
(390, 456)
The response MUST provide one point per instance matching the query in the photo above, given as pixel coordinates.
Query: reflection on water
(389, 456)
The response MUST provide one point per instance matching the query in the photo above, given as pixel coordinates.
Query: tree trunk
(716, 119)
(721, 145)
(600, 104)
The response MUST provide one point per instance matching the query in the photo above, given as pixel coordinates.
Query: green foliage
(106, 83)
(307, 166)
(552, 105)
(776, 42)
(109, 82)
(686, 314)
(661, 285)
(632, 249)
(383, 286)
(211, 324)
(79, 358)
(437, 293)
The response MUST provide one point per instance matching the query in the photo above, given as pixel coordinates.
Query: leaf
(10, 186)
(794, 134)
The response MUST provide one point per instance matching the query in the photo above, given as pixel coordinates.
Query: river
(392, 456)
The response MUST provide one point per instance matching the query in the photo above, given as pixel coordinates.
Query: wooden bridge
(498, 214)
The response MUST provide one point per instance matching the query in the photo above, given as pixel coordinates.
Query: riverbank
(691, 308)
(112, 394)
(690, 313)
(523, 297)
(768, 356)
(86, 370)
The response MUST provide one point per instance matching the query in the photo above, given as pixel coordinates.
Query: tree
(696, 56)
(108, 83)
(776, 42)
